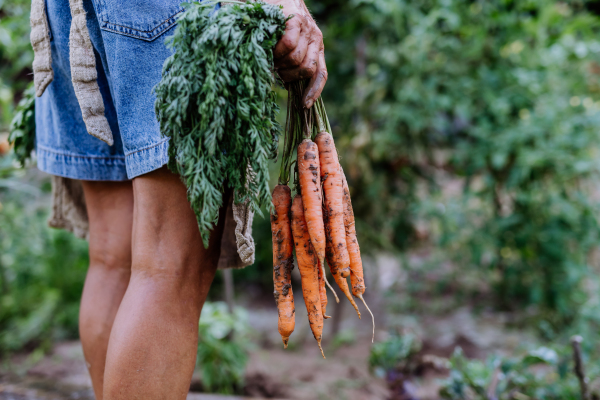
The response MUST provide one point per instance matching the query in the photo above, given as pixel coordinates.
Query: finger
(307, 67)
(294, 59)
(290, 38)
(317, 82)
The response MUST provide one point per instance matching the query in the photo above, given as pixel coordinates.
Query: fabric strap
(85, 76)
(40, 41)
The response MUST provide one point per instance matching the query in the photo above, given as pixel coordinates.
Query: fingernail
(308, 104)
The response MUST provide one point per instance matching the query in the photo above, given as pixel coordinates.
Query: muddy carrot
(356, 268)
(310, 186)
(283, 261)
(322, 292)
(337, 276)
(308, 265)
(333, 191)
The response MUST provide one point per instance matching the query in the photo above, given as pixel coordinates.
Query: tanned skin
(149, 273)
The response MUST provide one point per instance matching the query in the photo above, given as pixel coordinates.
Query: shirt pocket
(140, 19)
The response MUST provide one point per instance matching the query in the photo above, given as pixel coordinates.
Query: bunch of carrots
(318, 223)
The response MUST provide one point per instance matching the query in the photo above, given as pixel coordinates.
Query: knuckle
(318, 34)
(311, 67)
(287, 42)
(294, 22)
(296, 59)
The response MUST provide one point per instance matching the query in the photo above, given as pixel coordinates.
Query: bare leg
(110, 211)
(152, 347)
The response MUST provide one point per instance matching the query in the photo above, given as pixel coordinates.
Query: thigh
(166, 238)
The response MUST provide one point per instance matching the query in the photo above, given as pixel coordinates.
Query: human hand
(300, 54)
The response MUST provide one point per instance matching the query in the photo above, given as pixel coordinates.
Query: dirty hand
(299, 54)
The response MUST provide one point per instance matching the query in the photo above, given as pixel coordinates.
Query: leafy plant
(16, 55)
(216, 104)
(543, 373)
(41, 269)
(395, 352)
(222, 348)
(22, 127)
(498, 98)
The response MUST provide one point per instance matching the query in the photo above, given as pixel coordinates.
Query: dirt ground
(300, 372)
(271, 373)
(297, 373)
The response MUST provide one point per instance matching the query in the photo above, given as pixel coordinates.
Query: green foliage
(543, 373)
(41, 270)
(500, 98)
(216, 104)
(22, 127)
(222, 348)
(393, 353)
(16, 55)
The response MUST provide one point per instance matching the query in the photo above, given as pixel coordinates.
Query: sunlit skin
(149, 273)
(148, 279)
(110, 213)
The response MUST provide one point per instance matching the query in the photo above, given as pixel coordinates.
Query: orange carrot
(333, 189)
(322, 292)
(337, 276)
(283, 261)
(308, 265)
(310, 186)
(356, 269)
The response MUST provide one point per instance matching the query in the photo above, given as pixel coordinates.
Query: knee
(110, 254)
(178, 264)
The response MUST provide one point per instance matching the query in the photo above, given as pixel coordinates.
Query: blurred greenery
(16, 55)
(465, 127)
(22, 127)
(542, 373)
(536, 373)
(396, 352)
(41, 269)
(498, 98)
(222, 348)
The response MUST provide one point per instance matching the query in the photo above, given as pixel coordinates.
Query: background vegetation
(467, 128)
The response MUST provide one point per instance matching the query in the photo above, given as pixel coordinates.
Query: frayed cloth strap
(40, 41)
(237, 244)
(84, 75)
(69, 209)
(243, 215)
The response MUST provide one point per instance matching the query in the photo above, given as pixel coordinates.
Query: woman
(149, 273)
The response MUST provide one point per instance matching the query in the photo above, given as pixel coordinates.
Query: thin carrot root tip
(285, 342)
(355, 306)
(320, 348)
(326, 316)
(337, 300)
(360, 296)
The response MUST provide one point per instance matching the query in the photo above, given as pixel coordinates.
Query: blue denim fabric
(128, 39)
